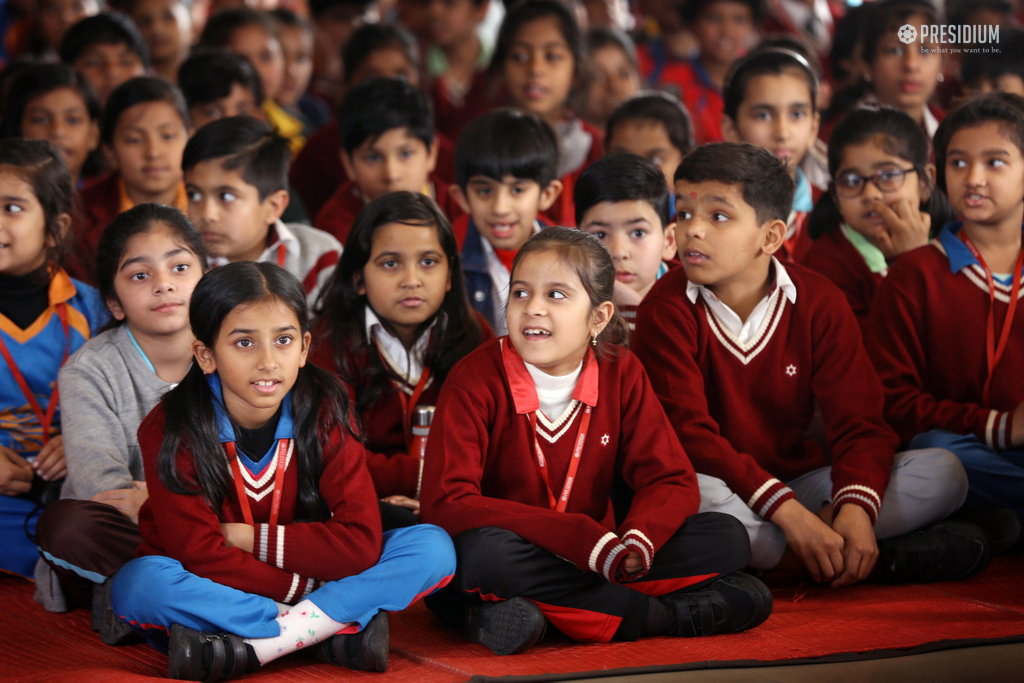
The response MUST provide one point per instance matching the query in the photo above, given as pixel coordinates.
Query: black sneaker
(200, 656)
(506, 628)
(1002, 525)
(112, 630)
(947, 551)
(733, 603)
(363, 651)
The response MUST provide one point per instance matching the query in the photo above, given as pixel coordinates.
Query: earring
(593, 341)
(942, 79)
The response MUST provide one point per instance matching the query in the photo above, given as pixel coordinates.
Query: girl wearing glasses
(882, 202)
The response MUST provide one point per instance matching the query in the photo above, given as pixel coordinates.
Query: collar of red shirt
(524, 392)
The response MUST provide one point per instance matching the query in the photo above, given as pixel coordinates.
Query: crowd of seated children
(941, 329)
(506, 163)
(771, 101)
(821, 310)
(107, 49)
(741, 349)
(622, 201)
(394, 319)
(387, 145)
(236, 182)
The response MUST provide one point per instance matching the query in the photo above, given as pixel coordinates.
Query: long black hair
(343, 309)
(897, 134)
(319, 401)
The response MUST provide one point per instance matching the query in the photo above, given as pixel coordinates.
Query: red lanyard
(280, 254)
(243, 497)
(44, 419)
(574, 464)
(994, 351)
(409, 403)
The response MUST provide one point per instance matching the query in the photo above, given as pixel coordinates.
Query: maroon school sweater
(926, 336)
(287, 558)
(833, 256)
(481, 469)
(741, 411)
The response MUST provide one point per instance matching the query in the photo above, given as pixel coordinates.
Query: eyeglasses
(851, 185)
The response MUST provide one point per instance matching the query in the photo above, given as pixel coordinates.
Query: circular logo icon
(907, 33)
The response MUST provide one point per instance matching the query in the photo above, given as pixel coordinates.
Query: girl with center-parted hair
(261, 511)
(530, 434)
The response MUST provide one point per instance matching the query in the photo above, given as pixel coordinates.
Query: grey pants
(926, 486)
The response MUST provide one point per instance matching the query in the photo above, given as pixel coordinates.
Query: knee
(936, 438)
(944, 471)
(141, 582)
(68, 528)
(431, 547)
(485, 550)
(730, 536)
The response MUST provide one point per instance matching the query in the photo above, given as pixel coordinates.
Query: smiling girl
(261, 512)
(530, 433)
(148, 262)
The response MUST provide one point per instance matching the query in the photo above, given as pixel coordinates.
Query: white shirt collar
(782, 281)
(407, 365)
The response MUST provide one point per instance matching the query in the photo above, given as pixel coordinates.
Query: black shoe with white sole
(506, 628)
(947, 551)
(736, 602)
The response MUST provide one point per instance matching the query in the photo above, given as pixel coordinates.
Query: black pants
(496, 564)
(93, 538)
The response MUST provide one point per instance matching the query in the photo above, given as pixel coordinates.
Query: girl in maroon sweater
(395, 319)
(261, 513)
(882, 203)
(532, 434)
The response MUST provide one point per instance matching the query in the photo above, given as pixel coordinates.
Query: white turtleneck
(554, 393)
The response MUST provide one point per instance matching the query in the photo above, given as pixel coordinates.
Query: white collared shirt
(408, 365)
(744, 331)
(499, 282)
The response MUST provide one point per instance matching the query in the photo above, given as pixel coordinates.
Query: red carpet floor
(808, 622)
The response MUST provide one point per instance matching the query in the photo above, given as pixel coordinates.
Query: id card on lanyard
(560, 504)
(45, 419)
(993, 350)
(243, 497)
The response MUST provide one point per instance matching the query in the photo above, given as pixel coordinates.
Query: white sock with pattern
(302, 626)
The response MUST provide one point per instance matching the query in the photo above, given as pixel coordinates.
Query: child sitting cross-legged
(622, 199)
(742, 349)
(235, 174)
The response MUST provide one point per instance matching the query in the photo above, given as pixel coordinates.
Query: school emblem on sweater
(605, 439)
(791, 370)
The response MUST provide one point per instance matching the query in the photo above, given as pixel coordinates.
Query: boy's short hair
(691, 10)
(139, 90)
(108, 28)
(981, 66)
(370, 38)
(318, 7)
(223, 24)
(207, 76)
(286, 18)
(768, 60)
(246, 145)
(507, 142)
(766, 183)
(656, 106)
(378, 105)
(1002, 108)
(622, 178)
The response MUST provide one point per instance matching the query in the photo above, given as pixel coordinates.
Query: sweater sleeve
(656, 468)
(850, 396)
(184, 527)
(667, 345)
(350, 541)
(95, 443)
(896, 330)
(453, 469)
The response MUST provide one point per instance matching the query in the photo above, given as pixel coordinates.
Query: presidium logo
(980, 38)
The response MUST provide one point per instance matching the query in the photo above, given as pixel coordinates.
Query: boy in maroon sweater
(742, 350)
